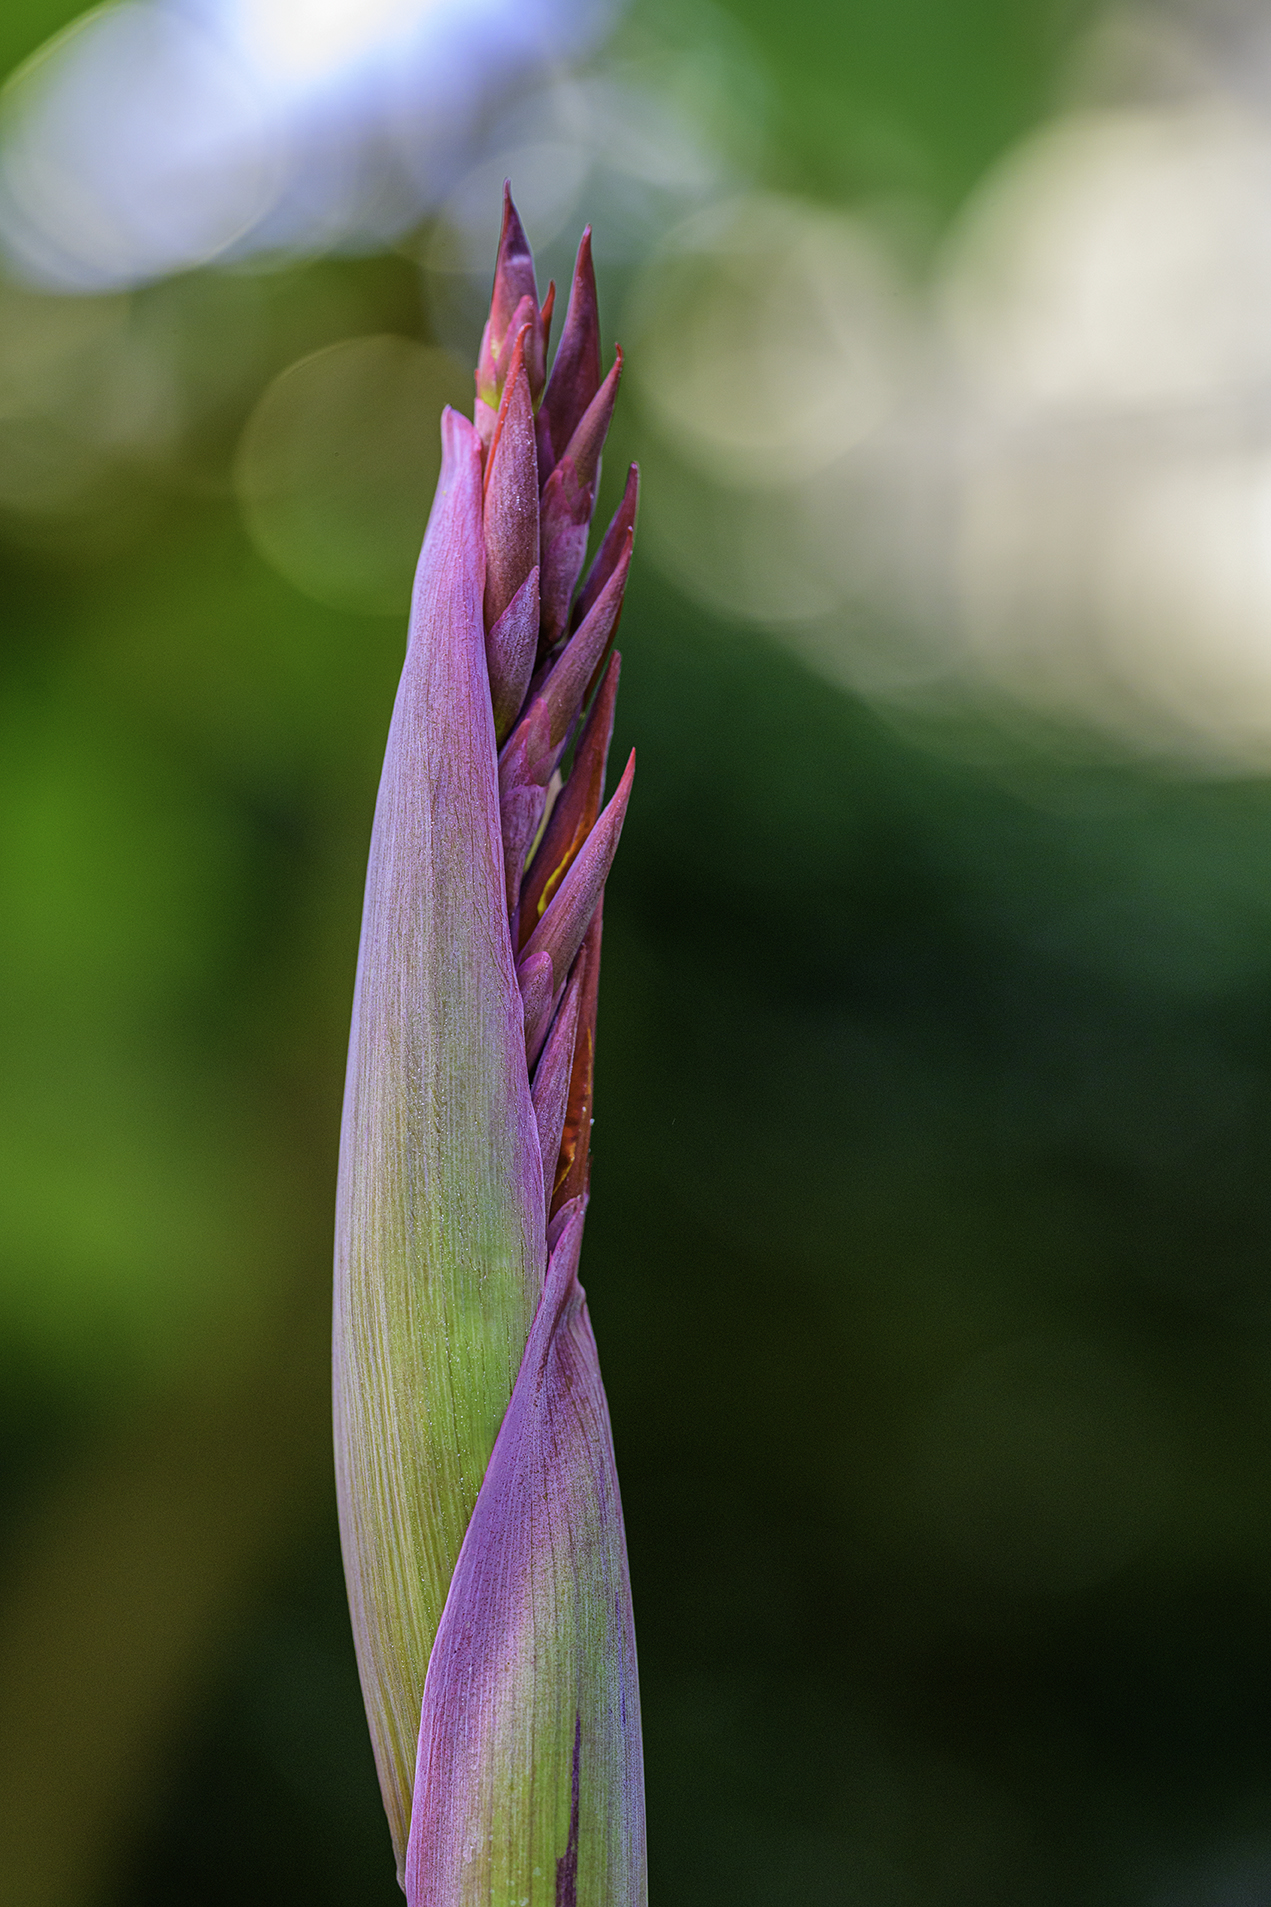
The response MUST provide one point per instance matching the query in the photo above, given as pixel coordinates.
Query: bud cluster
(549, 657)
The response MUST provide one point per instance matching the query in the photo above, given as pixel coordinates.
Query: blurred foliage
(928, 1252)
(25, 26)
(911, 99)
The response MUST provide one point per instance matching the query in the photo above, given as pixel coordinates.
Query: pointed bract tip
(513, 302)
(573, 1160)
(510, 647)
(559, 933)
(588, 436)
(565, 690)
(552, 1076)
(536, 978)
(576, 372)
(569, 496)
(618, 540)
(515, 369)
(574, 815)
(513, 268)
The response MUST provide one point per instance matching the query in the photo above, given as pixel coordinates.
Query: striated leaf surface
(440, 1221)
(529, 1786)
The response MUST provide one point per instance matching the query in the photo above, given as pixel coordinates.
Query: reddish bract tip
(511, 490)
(564, 689)
(587, 439)
(575, 812)
(573, 1163)
(513, 303)
(569, 496)
(560, 931)
(513, 269)
(610, 553)
(525, 769)
(553, 1074)
(575, 375)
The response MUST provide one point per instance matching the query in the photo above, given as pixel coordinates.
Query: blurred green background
(929, 1249)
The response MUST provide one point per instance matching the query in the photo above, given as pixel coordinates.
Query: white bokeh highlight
(1036, 478)
(155, 135)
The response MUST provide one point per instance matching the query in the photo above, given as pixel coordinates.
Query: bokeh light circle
(770, 339)
(337, 465)
(130, 146)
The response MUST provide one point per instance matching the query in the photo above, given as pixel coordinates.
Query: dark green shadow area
(927, 1262)
(909, 98)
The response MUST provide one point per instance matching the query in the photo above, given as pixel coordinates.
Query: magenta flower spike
(479, 1509)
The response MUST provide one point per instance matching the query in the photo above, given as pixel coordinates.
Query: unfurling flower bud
(479, 1509)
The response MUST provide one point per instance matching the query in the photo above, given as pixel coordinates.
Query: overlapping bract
(489, 1592)
(528, 1783)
